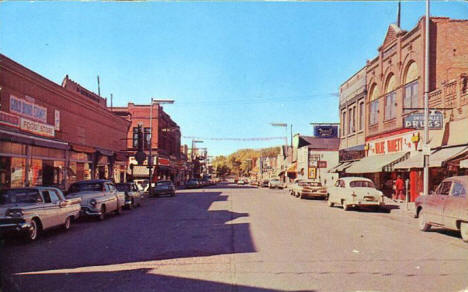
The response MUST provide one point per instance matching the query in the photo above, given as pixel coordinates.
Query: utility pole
(426, 149)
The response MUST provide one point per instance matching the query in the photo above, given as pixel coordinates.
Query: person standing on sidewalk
(400, 188)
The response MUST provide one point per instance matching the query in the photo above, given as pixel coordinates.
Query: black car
(164, 187)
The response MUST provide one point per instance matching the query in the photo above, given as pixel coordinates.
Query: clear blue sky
(232, 68)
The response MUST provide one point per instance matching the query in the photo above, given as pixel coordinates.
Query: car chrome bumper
(369, 204)
(89, 212)
(14, 227)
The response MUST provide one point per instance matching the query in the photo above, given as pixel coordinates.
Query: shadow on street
(170, 228)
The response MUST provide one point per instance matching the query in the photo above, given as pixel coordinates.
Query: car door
(334, 191)
(111, 196)
(453, 205)
(49, 209)
(434, 203)
(57, 213)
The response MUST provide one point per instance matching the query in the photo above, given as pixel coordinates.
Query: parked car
(192, 184)
(241, 182)
(164, 187)
(305, 188)
(32, 210)
(264, 183)
(133, 195)
(142, 184)
(355, 192)
(275, 183)
(99, 197)
(447, 207)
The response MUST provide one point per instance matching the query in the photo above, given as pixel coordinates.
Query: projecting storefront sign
(324, 131)
(416, 121)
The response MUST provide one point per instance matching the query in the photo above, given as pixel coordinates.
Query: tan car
(305, 188)
(33, 210)
(355, 192)
(447, 207)
(99, 197)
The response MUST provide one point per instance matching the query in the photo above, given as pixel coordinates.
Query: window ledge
(390, 120)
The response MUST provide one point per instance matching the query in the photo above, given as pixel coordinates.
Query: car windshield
(192, 181)
(361, 184)
(310, 183)
(123, 187)
(275, 180)
(164, 183)
(86, 187)
(19, 196)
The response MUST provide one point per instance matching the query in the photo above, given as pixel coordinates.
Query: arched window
(374, 104)
(390, 97)
(410, 99)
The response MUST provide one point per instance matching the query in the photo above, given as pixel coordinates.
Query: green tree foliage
(242, 161)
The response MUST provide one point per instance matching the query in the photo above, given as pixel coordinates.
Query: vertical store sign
(57, 120)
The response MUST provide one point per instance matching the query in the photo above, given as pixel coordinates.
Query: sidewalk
(400, 207)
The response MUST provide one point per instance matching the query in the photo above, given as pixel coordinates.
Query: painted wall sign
(37, 128)
(321, 164)
(28, 109)
(393, 144)
(9, 119)
(326, 131)
(164, 162)
(416, 120)
(57, 120)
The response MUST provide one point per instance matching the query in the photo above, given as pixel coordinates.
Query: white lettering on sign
(37, 128)
(28, 109)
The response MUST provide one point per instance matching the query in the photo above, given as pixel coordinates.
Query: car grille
(11, 220)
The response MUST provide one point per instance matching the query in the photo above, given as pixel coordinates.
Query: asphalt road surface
(238, 238)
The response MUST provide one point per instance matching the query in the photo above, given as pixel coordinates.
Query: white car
(355, 192)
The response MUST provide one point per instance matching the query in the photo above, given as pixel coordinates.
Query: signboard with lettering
(323, 131)
(37, 128)
(416, 120)
(28, 109)
(396, 143)
(9, 119)
(57, 120)
(321, 164)
(312, 172)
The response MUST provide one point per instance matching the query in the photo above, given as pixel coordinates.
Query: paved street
(238, 238)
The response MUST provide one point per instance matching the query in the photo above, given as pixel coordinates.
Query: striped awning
(377, 163)
(436, 159)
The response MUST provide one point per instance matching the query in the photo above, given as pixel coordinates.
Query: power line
(234, 139)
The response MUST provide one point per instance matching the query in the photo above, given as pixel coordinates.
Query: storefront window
(35, 172)
(5, 172)
(18, 172)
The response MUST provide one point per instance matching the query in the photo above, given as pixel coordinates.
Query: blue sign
(416, 121)
(326, 131)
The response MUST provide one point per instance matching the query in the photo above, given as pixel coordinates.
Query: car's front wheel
(330, 203)
(345, 206)
(67, 224)
(423, 225)
(33, 231)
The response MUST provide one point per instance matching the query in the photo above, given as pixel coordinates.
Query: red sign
(9, 119)
(380, 147)
(321, 164)
(395, 145)
(164, 161)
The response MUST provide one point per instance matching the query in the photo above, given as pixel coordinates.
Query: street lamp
(426, 149)
(150, 158)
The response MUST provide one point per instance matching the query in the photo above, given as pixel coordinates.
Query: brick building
(395, 85)
(55, 135)
(165, 144)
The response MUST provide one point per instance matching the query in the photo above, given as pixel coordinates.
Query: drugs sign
(416, 121)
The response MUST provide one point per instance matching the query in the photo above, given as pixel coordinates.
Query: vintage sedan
(447, 207)
(305, 188)
(355, 192)
(275, 183)
(164, 187)
(99, 197)
(133, 195)
(32, 210)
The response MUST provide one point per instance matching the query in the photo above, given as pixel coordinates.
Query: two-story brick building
(55, 135)
(395, 84)
(165, 143)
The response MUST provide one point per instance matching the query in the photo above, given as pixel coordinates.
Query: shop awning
(81, 148)
(292, 168)
(32, 140)
(377, 163)
(464, 163)
(436, 159)
(341, 166)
